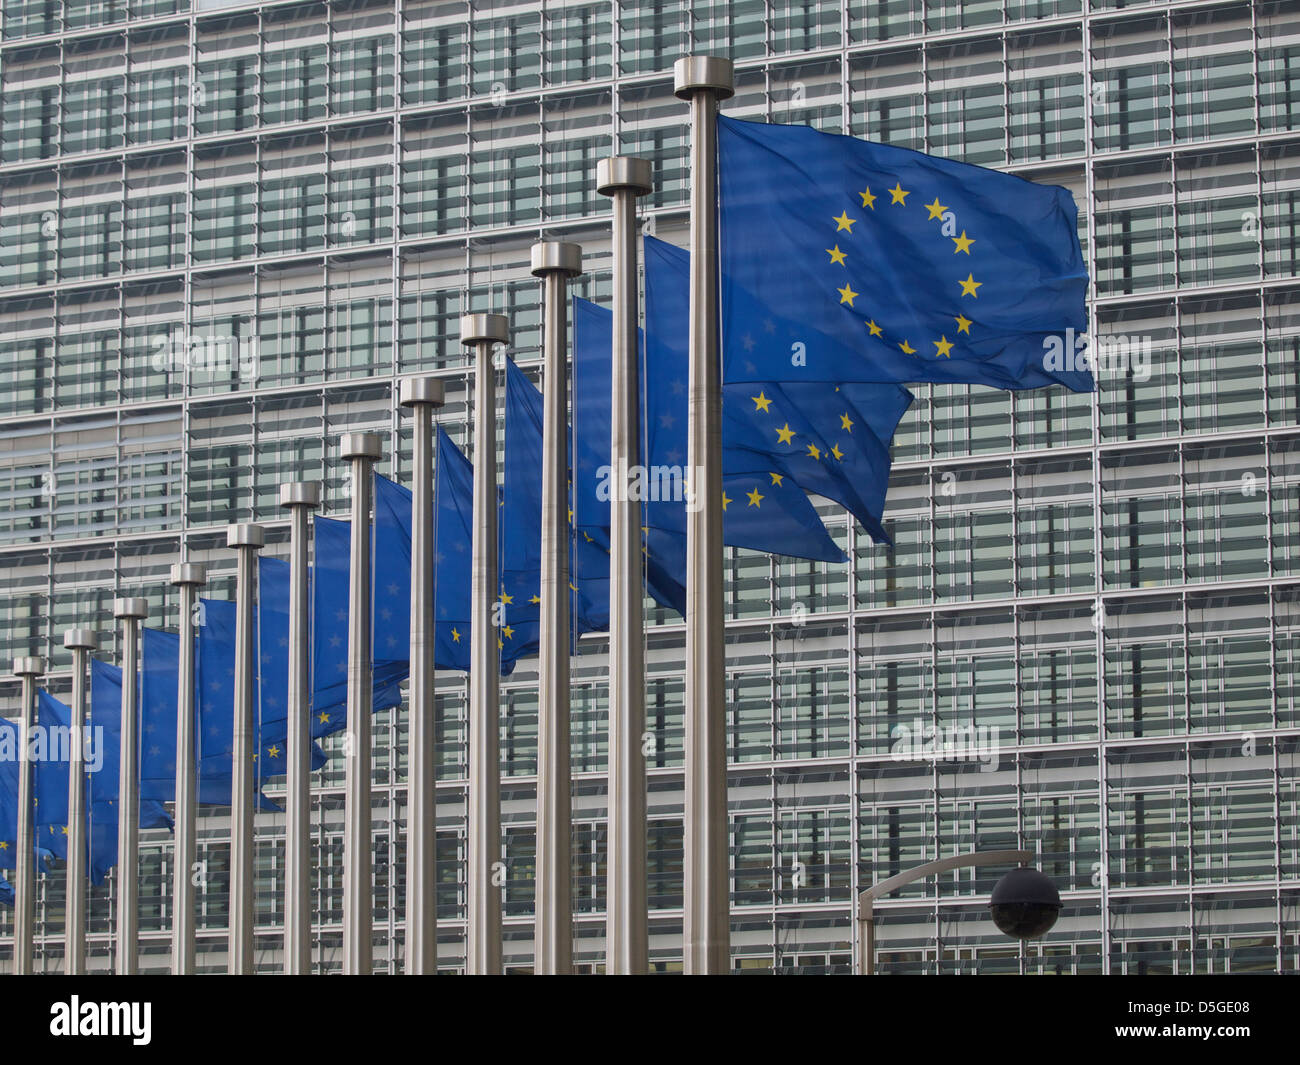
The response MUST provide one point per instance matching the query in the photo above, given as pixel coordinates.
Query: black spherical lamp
(1025, 903)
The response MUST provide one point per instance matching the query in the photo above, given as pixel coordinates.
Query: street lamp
(1024, 904)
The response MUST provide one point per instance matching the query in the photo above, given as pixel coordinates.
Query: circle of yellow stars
(962, 246)
(785, 435)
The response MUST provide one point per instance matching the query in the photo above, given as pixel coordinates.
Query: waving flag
(104, 783)
(159, 668)
(159, 663)
(453, 536)
(273, 646)
(831, 440)
(55, 719)
(216, 701)
(665, 552)
(329, 636)
(844, 260)
(51, 776)
(521, 533)
(9, 739)
(763, 508)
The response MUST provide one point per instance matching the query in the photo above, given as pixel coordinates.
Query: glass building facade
(312, 193)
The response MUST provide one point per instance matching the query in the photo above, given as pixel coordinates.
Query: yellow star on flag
(875, 329)
(843, 221)
(836, 255)
(969, 286)
(455, 636)
(963, 243)
(785, 434)
(907, 348)
(963, 324)
(847, 295)
(323, 718)
(776, 479)
(936, 210)
(899, 194)
(273, 751)
(507, 600)
(944, 345)
(839, 455)
(756, 500)
(535, 599)
(814, 451)
(509, 632)
(846, 423)
(725, 500)
(761, 402)
(868, 200)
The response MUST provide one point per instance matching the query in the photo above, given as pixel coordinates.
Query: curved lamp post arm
(866, 899)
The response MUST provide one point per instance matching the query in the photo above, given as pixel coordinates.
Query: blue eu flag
(104, 779)
(159, 669)
(831, 440)
(51, 776)
(216, 699)
(520, 523)
(453, 542)
(665, 552)
(521, 540)
(453, 510)
(273, 646)
(159, 665)
(9, 739)
(844, 260)
(329, 636)
(763, 509)
(391, 589)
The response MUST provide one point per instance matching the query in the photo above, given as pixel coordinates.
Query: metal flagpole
(300, 497)
(81, 642)
(422, 395)
(483, 940)
(704, 80)
(131, 611)
(626, 935)
(247, 540)
(189, 577)
(27, 669)
(554, 262)
(362, 449)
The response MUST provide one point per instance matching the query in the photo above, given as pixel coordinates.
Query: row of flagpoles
(703, 81)
(781, 189)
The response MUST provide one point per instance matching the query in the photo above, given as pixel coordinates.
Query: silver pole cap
(81, 640)
(704, 73)
(556, 257)
(300, 494)
(476, 327)
(29, 666)
(133, 607)
(623, 172)
(189, 573)
(421, 392)
(361, 446)
(245, 535)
